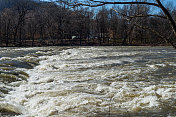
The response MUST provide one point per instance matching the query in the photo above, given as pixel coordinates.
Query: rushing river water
(88, 81)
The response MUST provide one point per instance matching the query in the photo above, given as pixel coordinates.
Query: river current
(88, 81)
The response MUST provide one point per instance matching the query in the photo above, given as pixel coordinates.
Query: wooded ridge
(36, 23)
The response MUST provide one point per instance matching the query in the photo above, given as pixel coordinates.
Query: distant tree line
(35, 23)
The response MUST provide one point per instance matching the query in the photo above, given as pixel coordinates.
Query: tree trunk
(171, 21)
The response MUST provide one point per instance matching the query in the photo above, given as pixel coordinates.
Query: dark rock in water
(9, 110)
(6, 113)
(4, 90)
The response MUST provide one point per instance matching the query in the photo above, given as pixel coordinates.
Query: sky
(173, 1)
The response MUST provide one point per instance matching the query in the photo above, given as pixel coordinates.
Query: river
(88, 81)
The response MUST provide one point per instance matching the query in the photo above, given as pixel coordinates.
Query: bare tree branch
(148, 16)
(101, 3)
(147, 28)
(141, 15)
(169, 17)
(157, 4)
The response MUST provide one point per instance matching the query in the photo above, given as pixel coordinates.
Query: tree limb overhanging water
(31, 23)
(156, 3)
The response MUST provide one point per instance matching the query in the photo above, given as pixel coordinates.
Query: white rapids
(95, 81)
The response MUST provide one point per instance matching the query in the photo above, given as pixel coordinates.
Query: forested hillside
(6, 3)
(31, 23)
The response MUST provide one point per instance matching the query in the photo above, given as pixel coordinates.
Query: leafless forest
(37, 23)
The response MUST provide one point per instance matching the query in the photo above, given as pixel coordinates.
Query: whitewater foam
(91, 80)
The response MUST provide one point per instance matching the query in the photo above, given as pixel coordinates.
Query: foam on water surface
(95, 81)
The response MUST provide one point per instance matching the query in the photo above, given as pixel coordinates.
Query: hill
(11, 3)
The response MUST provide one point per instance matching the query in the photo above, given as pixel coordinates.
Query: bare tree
(21, 7)
(155, 3)
(27, 23)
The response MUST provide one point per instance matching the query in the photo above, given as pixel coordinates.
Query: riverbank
(74, 42)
